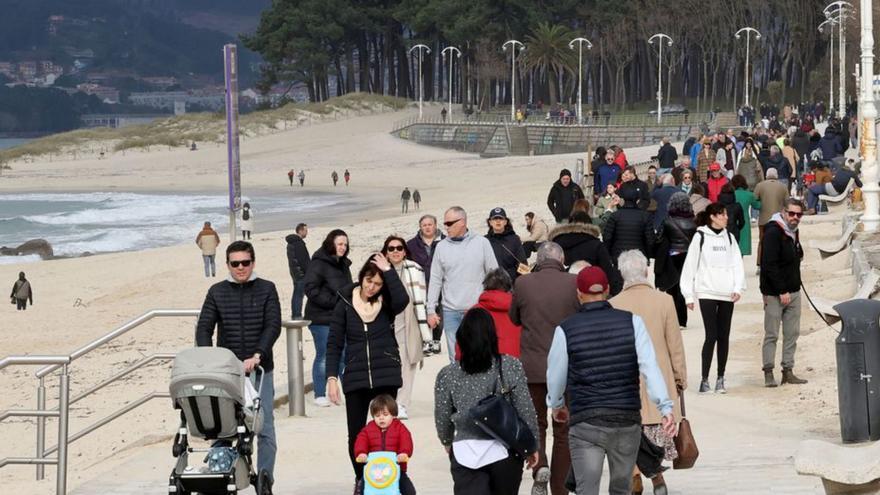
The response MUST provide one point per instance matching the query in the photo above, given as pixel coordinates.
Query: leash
(822, 316)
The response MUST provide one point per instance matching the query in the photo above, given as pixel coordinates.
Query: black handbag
(496, 416)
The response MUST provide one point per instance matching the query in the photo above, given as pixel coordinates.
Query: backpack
(245, 214)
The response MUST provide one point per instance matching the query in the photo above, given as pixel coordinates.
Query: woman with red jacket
(619, 157)
(496, 299)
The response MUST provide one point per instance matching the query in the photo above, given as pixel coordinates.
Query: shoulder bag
(684, 442)
(496, 416)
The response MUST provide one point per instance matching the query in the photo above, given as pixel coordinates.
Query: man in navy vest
(596, 356)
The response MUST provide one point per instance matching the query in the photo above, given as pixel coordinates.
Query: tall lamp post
(842, 9)
(748, 31)
(452, 51)
(868, 131)
(660, 37)
(580, 42)
(830, 23)
(420, 48)
(514, 47)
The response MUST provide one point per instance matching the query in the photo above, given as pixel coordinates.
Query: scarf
(365, 309)
(793, 233)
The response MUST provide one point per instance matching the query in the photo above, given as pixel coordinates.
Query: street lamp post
(843, 9)
(452, 51)
(660, 36)
(748, 31)
(420, 48)
(868, 131)
(513, 49)
(830, 23)
(580, 42)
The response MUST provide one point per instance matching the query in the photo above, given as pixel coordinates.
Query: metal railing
(618, 120)
(296, 390)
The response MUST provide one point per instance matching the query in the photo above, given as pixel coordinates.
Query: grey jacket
(456, 392)
(457, 271)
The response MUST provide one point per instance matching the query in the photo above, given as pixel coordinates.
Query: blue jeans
(266, 446)
(813, 195)
(296, 303)
(210, 269)
(321, 334)
(451, 321)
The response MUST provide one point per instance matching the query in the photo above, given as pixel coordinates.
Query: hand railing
(541, 119)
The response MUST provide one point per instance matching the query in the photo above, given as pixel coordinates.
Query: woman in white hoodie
(713, 275)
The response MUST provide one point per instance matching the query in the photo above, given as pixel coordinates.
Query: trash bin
(858, 370)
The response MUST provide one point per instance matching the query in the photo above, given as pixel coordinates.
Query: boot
(637, 487)
(788, 376)
(769, 379)
(659, 485)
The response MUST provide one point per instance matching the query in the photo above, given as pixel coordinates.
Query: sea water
(78, 223)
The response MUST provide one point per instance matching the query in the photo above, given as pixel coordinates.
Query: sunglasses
(796, 214)
(236, 264)
(394, 248)
(451, 222)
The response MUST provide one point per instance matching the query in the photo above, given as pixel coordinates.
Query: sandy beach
(80, 299)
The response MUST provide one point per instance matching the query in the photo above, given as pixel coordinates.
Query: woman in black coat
(328, 272)
(630, 227)
(675, 238)
(579, 240)
(736, 219)
(506, 245)
(363, 326)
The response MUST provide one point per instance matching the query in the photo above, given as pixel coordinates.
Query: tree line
(341, 46)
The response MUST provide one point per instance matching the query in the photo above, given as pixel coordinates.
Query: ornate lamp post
(843, 9)
(452, 50)
(748, 31)
(868, 130)
(420, 48)
(830, 23)
(661, 37)
(514, 47)
(580, 42)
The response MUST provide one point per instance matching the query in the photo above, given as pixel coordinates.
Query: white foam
(12, 260)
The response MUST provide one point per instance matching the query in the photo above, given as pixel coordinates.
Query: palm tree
(548, 53)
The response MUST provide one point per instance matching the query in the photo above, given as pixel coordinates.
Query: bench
(844, 470)
(830, 248)
(840, 197)
(866, 289)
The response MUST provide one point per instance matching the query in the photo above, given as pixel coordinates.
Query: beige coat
(539, 231)
(208, 240)
(658, 311)
(772, 195)
(411, 324)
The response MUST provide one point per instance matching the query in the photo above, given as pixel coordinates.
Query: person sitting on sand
(22, 292)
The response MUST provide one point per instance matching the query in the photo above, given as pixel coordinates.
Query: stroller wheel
(264, 483)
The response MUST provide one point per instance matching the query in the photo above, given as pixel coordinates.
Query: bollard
(295, 375)
(858, 370)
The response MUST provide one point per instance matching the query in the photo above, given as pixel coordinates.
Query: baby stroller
(208, 385)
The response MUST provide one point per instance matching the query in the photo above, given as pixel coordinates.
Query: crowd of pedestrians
(580, 342)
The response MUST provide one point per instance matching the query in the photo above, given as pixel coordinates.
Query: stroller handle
(259, 384)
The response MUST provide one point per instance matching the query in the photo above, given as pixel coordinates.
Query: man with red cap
(715, 182)
(597, 357)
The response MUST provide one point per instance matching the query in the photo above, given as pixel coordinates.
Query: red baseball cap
(592, 280)
(714, 166)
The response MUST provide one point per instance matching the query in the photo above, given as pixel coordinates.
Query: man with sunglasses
(460, 263)
(780, 285)
(247, 314)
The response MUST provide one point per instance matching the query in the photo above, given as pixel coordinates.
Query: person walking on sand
(246, 313)
(247, 222)
(540, 302)
(597, 357)
(563, 194)
(658, 312)
(417, 198)
(780, 285)
(347, 177)
(421, 250)
(22, 292)
(460, 264)
(298, 264)
(302, 177)
(335, 178)
(506, 244)
(714, 277)
(772, 195)
(404, 200)
(290, 177)
(207, 241)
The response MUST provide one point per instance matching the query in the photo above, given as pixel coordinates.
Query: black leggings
(717, 316)
(681, 310)
(499, 478)
(357, 406)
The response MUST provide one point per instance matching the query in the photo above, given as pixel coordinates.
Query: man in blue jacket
(247, 315)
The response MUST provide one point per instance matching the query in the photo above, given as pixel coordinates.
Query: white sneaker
(322, 402)
(401, 412)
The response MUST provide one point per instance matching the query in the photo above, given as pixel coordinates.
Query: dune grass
(197, 127)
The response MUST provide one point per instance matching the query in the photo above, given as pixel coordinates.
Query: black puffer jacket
(580, 241)
(736, 220)
(781, 257)
(372, 357)
(676, 236)
(637, 190)
(630, 227)
(561, 199)
(327, 274)
(247, 317)
(504, 242)
(297, 256)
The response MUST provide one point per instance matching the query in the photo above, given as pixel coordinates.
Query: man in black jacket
(562, 196)
(247, 314)
(667, 155)
(781, 285)
(298, 263)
